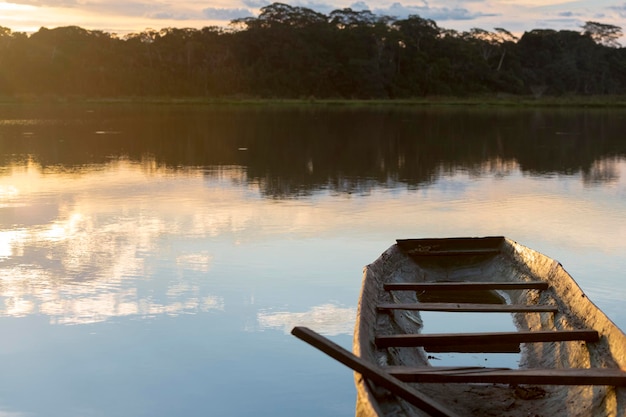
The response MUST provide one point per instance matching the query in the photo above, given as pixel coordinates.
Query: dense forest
(295, 52)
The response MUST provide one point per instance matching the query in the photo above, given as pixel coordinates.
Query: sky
(131, 16)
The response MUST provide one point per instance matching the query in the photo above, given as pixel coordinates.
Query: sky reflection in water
(134, 288)
(76, 247)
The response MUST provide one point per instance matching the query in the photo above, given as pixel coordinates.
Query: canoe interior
(496, 268)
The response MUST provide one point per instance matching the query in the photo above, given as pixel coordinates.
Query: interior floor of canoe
(512, 400)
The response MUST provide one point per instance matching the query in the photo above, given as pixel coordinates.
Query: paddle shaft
(372, 372)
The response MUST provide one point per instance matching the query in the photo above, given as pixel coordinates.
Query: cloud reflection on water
(327, 319)
(89, 244)
(79, 243)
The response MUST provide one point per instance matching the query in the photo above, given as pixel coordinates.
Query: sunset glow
(121, 18)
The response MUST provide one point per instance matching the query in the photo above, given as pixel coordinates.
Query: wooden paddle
(372, 373)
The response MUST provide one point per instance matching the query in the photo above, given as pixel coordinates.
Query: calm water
(154, 259)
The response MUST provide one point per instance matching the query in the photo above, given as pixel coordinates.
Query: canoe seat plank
(566, 376)
(430, 286)
(452, 252)
(466, 348)
(485, 339)
(468, 307)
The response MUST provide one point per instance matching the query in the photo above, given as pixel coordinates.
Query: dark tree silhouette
(296, 52)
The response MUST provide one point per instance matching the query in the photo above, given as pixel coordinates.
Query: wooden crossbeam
(491, 338)
(373, 373)
(566, 376)
(452, 252)
(430, 286)
(467, 348)
(468, 307)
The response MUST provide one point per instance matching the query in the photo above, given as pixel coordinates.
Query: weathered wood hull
(495, 260)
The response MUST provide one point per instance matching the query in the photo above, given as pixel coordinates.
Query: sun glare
(8, 191)
(6, 240)
(13, 7)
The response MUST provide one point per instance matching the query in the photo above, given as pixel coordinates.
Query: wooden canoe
(572, 357)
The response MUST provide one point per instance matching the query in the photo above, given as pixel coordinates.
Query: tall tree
(603, 34)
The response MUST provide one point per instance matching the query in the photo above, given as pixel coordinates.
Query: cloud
(256, 4)
(216, 13)
(620, 10)
(397, 10)
(359, 5)
(401, 11)
(118, 8)
(167, 16)
(157, 11)
(119, 16)
(126, 8)
(48, 3)
(324, 8)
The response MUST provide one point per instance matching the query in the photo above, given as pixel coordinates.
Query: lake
(153, 258)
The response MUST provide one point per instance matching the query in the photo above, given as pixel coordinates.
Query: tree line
(296, 52)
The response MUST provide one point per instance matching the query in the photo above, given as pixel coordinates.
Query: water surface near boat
(156, 269)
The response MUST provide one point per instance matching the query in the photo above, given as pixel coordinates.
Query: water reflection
(301, 150)
(77, 245)
(605, 172)
(71, 241)
(327, 319)
(152, 259)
